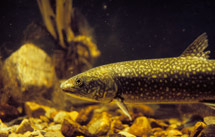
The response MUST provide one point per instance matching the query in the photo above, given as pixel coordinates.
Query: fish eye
(79, 82)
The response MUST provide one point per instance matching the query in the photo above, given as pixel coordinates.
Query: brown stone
(209, 120)
(160, 134)
(38, 123)
(68, 127)
(173, 132)
(125, 134)
(34, 110)
(174, 123)
(15, 135)
(28, 73)
(116, 126)
(73, 115)
(44, 119)
(99, 124)
(2, 125)
(54, 127)
(187, 130)
(156, 130)
(185, 135)
(14, 128)
(4, 132)
(33, 134)
(199, 126)
(140, 127)
(208, 131)
(7, 111)
(24, 127)
(85, 114)
(157, 123)
(60, 116)
(51, 113)
(53, 134)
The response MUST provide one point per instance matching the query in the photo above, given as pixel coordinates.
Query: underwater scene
(107, 68)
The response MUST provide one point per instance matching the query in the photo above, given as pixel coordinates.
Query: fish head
(92, 85)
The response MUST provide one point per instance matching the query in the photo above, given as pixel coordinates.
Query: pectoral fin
(123, 107)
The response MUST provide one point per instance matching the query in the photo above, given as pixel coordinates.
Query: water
(122, 30)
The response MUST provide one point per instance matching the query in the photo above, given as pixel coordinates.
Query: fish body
(188, 78)
(170, 80)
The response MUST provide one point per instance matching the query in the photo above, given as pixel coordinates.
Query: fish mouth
(68, 87)
(71, 90)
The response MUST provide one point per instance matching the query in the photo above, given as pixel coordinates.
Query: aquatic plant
(69, 28)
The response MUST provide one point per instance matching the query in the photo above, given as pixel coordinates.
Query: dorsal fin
(196, 49)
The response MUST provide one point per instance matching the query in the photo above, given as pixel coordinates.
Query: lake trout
(189, 78)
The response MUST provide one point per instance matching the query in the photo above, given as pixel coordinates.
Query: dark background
(126, 29)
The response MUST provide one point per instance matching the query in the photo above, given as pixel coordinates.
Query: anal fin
(123, 107)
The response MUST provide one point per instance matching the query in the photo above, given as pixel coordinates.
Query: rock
(85, 115)
(69, 127)
(116, 126)
(73, 115)
(14, 128)
(54, 127)
(199, 126)
(173, 132)
(8, 112)
(193, 120)
(154, 130)
(35, 110)
(43, 132)
(28, 134)
(187, 130)
(4, 132)
(28, 74)
(44, 119)
(126, 134)
(2, 125)
(157, 123)
(51, 113)
(38, 123)
(14, 135)
(35, 133)
(99, 124)
(116, 135)
(53, 134)
(208, 131)
(140, 127)
(160, 134)
(209, 120)
(168, 133)
(174, 123)
(60, 116)
(185, 135)
(24, 127)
